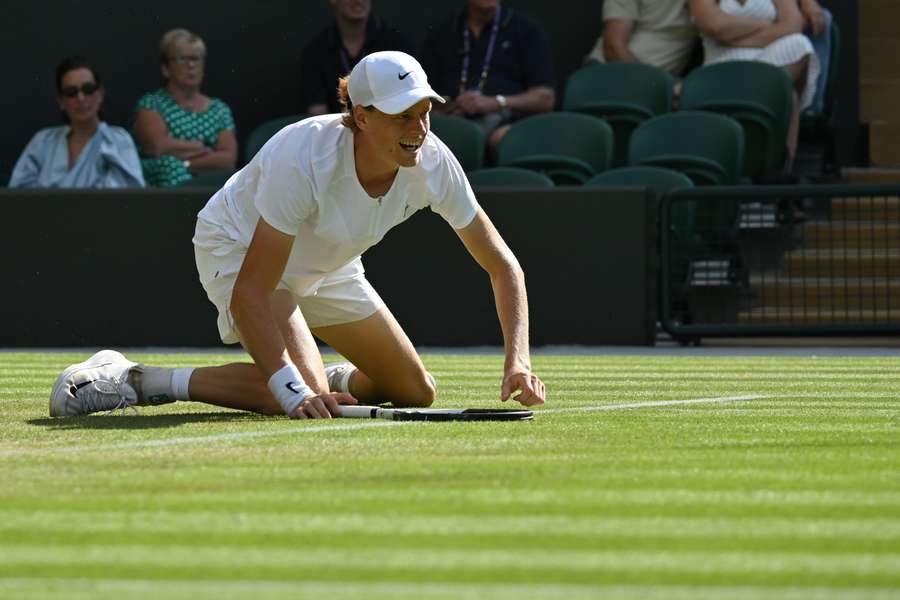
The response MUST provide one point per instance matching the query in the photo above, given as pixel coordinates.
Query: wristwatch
(501, 100)
(187, 165)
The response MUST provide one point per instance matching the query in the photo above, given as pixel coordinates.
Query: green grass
(792, 495)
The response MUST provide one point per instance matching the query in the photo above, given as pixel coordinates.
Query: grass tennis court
(781, 481)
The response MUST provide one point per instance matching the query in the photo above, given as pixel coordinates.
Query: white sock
(344, 383)
(181, 379)
(159, 385)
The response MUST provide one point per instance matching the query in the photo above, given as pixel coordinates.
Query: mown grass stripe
(436, 558)
(262, 588)
(210, 522)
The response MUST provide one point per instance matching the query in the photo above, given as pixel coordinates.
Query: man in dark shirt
(494, 65)
(335, 50)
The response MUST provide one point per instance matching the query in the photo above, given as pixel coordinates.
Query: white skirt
(784, 51)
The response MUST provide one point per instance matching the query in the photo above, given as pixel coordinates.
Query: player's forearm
(259, 334)
(512, 309)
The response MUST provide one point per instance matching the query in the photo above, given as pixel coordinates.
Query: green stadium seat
(508, 177)
(707, 147)
(682, 214)
(660, 179)
(569, 148)
(214, 179)
(465, 138)
(262, 132)
(624, 94)
(756, 94)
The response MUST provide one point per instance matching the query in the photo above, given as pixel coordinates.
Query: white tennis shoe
(97, 384)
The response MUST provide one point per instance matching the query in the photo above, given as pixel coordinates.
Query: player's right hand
(323, 406)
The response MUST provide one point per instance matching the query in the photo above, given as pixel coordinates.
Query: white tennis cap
(391, 81)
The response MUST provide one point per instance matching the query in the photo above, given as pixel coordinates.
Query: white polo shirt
(303, 182)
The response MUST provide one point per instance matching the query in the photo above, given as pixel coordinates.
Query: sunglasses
(71, 91)
(187, 60)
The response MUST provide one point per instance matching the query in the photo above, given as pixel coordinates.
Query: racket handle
(348, 411)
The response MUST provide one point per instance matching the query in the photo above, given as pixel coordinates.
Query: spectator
(182, 132)
(335, 50)
(655, 32)
(84, 153)
(763, 30)
(493, 64)
(818, 30)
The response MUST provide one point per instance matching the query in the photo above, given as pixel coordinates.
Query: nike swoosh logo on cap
(402, 76)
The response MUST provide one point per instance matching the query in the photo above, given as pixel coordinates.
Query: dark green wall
(107, 268)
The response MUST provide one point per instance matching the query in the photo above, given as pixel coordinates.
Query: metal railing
(785, 260)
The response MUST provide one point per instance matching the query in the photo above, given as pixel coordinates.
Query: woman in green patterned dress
(180, 131)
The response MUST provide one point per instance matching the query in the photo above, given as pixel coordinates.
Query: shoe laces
(108, 395)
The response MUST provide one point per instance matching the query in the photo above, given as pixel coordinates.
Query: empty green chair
(508, 177)
(624, 94)
(465, 139)
(214, 179)
(262, 132)
(684, 241)
(568, 148)
(758, 95)
(660, 179)
(707, 147)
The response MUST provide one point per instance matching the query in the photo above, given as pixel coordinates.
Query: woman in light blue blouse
(84, 153)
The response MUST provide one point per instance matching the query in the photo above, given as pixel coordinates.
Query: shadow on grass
(142, 421)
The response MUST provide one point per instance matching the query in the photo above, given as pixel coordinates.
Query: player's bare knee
(418, 393)
(427, 394)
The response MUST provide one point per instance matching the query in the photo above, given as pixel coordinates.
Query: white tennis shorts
(342, 297)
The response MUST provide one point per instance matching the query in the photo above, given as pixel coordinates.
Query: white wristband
(288, 387)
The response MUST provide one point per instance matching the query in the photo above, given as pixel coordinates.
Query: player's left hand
(530, 387)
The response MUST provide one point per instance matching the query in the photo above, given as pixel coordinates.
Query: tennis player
(278, 252)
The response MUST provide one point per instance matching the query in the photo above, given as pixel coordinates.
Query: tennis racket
(436, 414)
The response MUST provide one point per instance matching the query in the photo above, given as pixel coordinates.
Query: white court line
(229, 437)
(200, 439)
(651, 404)
(231, 588)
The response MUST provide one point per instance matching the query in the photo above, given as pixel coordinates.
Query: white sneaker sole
(100, 359)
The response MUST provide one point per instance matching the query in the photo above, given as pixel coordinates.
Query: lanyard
(489, 54)
(345, 59)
